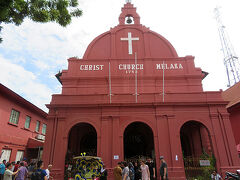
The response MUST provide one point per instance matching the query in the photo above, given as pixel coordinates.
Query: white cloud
(41, 65)
(24, 83)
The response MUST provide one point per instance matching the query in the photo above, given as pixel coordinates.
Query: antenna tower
(230, 59)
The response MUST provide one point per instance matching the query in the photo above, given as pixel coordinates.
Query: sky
(32, 53)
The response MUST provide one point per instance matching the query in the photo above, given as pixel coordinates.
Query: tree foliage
(60, 11)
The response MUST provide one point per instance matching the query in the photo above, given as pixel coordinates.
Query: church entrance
(138, 142)
(197, 150)
(82, 140)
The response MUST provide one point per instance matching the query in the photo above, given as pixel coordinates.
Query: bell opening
(129, 20)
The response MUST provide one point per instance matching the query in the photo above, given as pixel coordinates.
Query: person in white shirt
(215, 176)
(8, 173)
(48, 171)
(13, 166)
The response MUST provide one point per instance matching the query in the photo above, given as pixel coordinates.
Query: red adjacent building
(22, 127)
(232, 95)
(130, 97)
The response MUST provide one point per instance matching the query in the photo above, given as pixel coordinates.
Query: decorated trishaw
(84, 167)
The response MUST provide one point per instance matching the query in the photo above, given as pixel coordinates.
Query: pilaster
(48, 144)
(58, 148)
(106, 140)
(163, 139)
(170, 145)
(116, 151)
(220, 145)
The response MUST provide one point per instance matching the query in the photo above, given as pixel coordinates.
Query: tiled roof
(232, 95)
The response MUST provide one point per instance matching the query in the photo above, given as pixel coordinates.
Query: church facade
(130, 97)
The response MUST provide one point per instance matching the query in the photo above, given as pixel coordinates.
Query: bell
(129, 20)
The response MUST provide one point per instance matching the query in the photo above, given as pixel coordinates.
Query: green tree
(60, 11)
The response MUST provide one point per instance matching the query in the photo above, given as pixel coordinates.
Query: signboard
(116, 157)
(204, 162)
(69, 167)
(40, 137)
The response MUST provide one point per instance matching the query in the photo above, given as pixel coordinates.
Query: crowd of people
(140, 170)
(22, 171)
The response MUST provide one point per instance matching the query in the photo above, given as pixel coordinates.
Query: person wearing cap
(48, 171)
(163, 169)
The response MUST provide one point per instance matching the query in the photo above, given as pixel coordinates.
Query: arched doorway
(138, 142)
(197, 150)
(82, 138)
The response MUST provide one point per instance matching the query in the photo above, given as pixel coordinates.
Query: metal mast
(230, 59)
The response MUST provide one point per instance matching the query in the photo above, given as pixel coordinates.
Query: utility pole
(230, 59)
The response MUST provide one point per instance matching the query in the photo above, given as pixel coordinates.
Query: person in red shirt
(16, 166)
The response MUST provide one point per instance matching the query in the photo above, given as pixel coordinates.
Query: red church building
(22, 127)
(130, 97)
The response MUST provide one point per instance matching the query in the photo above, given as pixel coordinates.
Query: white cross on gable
(130, 39)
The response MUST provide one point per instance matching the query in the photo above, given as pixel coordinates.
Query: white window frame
(19, 155)
(14, 116)
(37, 126)
(5, 155)
(44, 129)
(27, 122)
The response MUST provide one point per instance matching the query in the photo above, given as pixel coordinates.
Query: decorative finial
(83, 154)
(128, 1)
